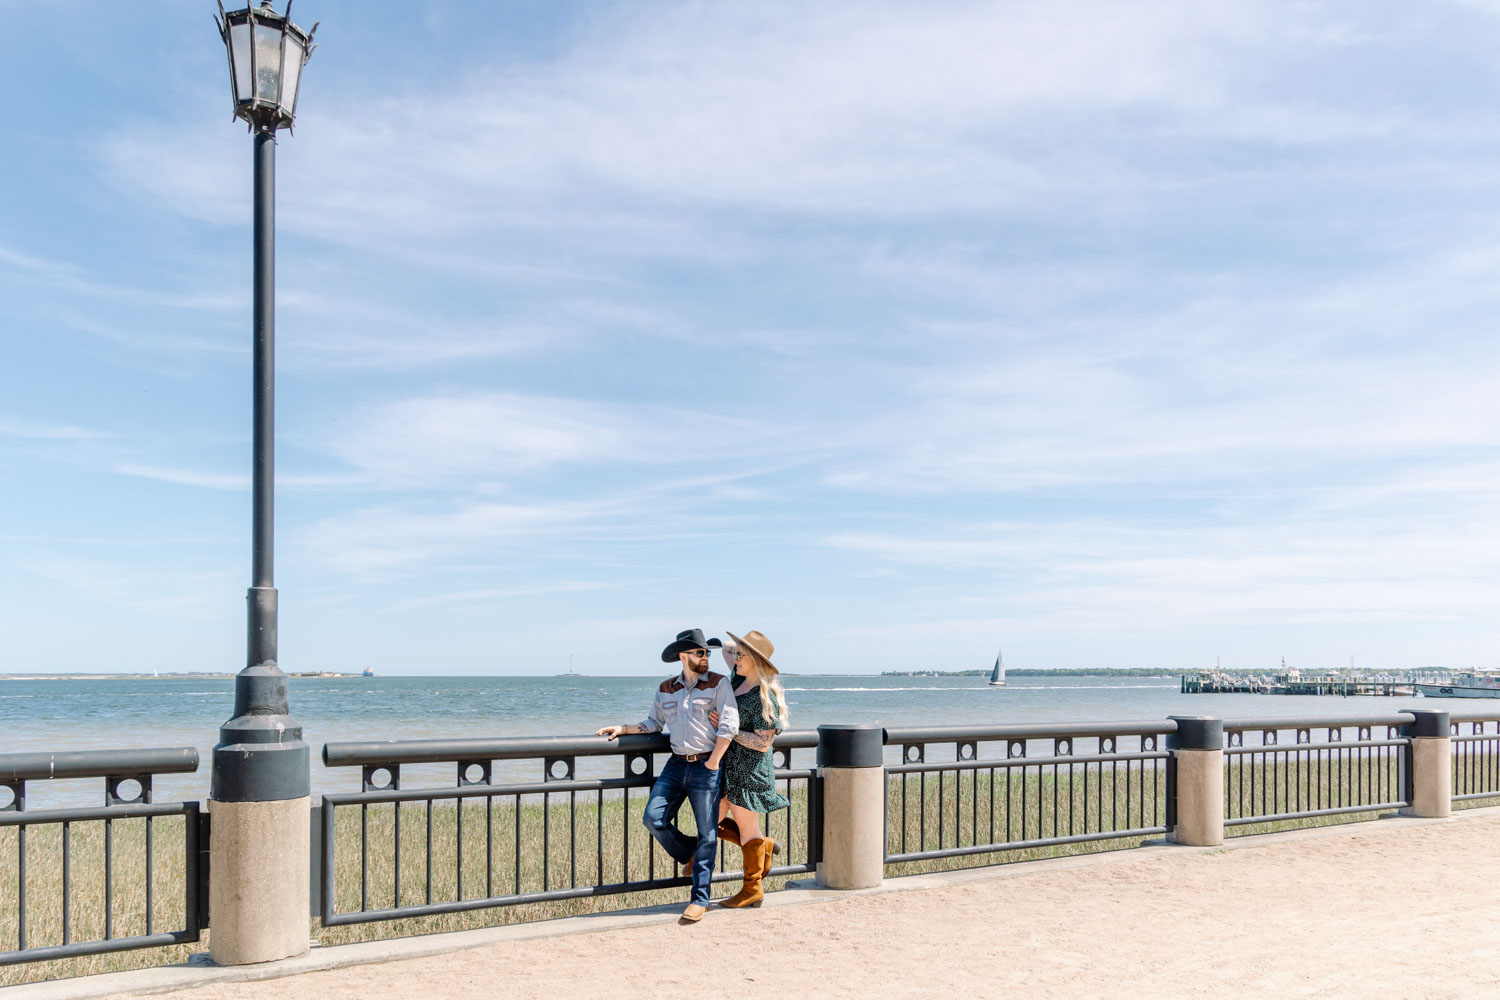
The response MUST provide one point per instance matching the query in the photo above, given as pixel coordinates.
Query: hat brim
(670, 654)
(745, 647)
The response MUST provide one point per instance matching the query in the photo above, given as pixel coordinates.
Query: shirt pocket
(702, 704)
(669, 709)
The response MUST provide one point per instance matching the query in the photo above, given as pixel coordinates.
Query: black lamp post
(260, 756)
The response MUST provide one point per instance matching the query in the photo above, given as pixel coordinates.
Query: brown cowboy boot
(757, 855)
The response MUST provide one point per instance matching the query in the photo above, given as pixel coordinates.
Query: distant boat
(1474, 684)
(368, 673)
(570, 672)
(997, 675)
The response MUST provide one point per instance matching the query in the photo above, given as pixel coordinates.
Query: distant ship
(997, 675)
(570, 672)
(368, 673)
(1474, 684)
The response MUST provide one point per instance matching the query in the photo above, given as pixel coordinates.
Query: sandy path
(1391, 911)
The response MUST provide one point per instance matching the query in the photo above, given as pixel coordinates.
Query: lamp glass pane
(291, 73)
(239, 50)
(267, 63)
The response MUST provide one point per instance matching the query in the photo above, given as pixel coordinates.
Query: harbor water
(113, 713)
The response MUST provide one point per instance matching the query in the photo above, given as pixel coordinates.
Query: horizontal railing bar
(96, 947)
(133, 811)
(1477, 738)
(97, 763)
(1334, 745)
(527, 788)
(1021, 845)
(1467, 796)
(1490, 716)
(1319, 722)
(999, 762)
(1312, 813)
(582, 892)
(1028, 731)
(377, 752)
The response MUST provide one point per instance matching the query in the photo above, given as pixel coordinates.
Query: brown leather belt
(693, 758)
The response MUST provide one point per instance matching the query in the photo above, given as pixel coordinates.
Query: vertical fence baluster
(489, 847)
(922, 815)
(67, 885)
(599, 840)
(518, 844)
(1054, 800)
(546, 840)
(396, 853)
(573, 837)
(458, 862)
(364, 856)
(109, 879)
(21, 886)
(148, 875)
(905, 815)
(428, 891)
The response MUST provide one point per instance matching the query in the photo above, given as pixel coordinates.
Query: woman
(748, 773)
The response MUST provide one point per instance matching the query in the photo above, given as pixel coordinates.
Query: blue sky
(1117, 334)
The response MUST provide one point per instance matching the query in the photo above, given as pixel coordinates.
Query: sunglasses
(697, 652)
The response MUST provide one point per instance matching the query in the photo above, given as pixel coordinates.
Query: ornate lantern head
(266, 55)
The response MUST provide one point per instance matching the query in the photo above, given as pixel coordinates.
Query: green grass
(957, 804)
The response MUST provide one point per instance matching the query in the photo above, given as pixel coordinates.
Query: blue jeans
(695, 782)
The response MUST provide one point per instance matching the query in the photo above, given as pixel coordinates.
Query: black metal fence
(1291, 769)
(1476, 756)
(54, 910)
(390, 851)
(973, 790)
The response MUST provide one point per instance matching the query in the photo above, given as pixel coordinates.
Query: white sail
(997, 675)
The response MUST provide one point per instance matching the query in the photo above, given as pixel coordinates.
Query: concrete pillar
(851, 768)
(1429, 770)
(1198, 762)
(258, 881)
(258, 831)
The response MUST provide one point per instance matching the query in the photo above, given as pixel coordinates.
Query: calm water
(57, 715)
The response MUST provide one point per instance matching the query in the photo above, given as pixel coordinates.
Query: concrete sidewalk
(1395, 907)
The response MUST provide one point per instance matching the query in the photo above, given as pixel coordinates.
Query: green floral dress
(749, 779)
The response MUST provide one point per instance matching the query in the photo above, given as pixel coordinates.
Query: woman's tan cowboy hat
(758, 644)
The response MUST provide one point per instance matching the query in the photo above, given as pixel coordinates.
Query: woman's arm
(759, 741)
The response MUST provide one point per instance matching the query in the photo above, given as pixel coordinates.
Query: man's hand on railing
(610, 732)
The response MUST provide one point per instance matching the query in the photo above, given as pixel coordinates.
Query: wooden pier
(1217, 683)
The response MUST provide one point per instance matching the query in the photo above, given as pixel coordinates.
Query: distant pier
(1212, 682)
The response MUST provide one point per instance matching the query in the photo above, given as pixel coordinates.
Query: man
(682, 707)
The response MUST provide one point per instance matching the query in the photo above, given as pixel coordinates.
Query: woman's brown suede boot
(757, 857)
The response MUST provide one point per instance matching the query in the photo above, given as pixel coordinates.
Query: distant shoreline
(195, 675)
(335, 675)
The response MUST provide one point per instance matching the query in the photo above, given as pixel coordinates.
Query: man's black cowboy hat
(690, 639)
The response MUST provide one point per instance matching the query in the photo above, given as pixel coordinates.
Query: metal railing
(483, 842)
(1043, 785)
(1476, 755)
(47, 841)
(1279, 769)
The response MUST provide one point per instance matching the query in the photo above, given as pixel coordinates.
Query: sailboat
(997, 675)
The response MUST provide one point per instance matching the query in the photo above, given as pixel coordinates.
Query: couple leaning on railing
(721, 729)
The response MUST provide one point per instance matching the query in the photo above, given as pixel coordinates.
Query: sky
(1115, 335)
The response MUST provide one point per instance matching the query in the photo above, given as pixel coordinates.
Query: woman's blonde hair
(772, 696)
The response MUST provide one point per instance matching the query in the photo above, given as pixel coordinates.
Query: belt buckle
(691, 758)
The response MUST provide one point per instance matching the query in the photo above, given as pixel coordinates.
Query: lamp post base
(258, 909)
